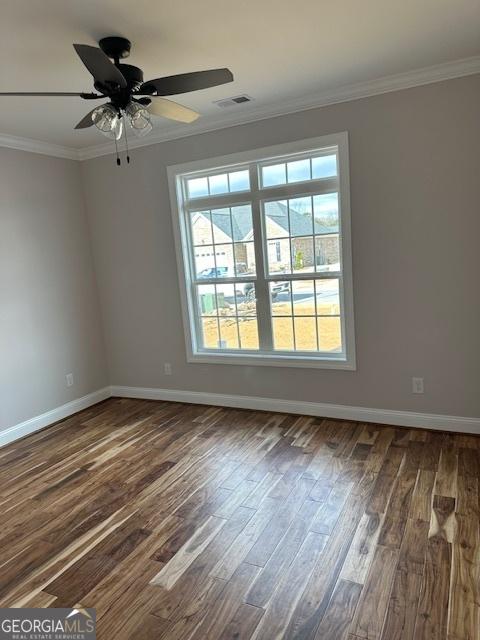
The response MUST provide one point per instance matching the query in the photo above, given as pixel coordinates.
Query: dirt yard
(329, 332)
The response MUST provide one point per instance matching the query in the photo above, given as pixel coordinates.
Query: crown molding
(252, 113)
(37, 146)
(407, 80)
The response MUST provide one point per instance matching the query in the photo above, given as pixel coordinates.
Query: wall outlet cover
(417, 385)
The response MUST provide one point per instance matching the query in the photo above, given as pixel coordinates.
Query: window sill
(263, 360)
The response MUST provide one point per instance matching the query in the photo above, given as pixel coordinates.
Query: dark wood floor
(180, 521)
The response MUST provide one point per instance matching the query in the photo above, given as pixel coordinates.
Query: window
(263, 243)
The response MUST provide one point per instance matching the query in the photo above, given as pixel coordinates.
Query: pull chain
(126, 138)
(119, 162)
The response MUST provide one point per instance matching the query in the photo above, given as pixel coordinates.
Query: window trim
(183, 252)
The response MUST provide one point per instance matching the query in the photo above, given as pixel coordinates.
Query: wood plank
(442, 522)
(446, 479)
(321, 490)
(361, 551)
(330, 511)
(42, 599)
(227, 603)
(414, 547)
(149, 627)
(280, 522)
(135, 597)
(372, 609)
(402, 607)
(421, 504)
(173, 570)
(236, 498)
(379, 449)
(431, 452)
(286, 550)
(381, 493)
(468, 496)
(243, 623)
(432, 614)
(237, 476)
(319, 589)
(253, 500)
(195, 610)
(340, 611)
(468, 463)
(361, 451)
(464, 612)
(173, 604)
(179, 537)
(397, 511)
(368, 434)
(242, 545)
(281, 606)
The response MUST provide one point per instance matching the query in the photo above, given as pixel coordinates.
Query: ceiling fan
(129, 97)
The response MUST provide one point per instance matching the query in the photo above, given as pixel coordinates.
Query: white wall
(49, 314)
(416, 260)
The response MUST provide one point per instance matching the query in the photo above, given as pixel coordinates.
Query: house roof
(300, 223)
(241, 222)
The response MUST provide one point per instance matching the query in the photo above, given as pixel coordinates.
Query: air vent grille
(234, 101)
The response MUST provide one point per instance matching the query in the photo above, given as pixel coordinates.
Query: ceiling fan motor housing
(115, 47)
(118, 48)
(121, 96)
(133, 75)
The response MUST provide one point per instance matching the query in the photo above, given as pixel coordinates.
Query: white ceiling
(277, 50)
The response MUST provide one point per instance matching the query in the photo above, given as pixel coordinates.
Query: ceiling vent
(232, 102)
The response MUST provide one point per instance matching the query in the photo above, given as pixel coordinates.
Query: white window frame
(176, 175)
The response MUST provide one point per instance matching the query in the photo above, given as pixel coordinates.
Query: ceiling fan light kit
(131, 100)
(107, 120)
(139, 118)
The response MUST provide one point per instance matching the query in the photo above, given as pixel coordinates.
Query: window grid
(301, 157)
(313, 236)
(213, 246)
(256, 195)
(233, 312)
(208, 176)
(293, 315)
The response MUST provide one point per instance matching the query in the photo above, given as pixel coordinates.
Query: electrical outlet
(69, 379)
(167, 368)
(417, 385)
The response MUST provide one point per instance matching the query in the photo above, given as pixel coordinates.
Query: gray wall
(415, 184)
(49, 315)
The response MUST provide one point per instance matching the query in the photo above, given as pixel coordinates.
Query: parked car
(214, 272)
(248, 289)
(220, 272)
(278, 287)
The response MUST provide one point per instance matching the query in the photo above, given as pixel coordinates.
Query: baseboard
(457, 424)
(54, 415)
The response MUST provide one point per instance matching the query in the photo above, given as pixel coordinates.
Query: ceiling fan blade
(172, 110)
(86, 121)
(100, 66)
(45, 93)
(185, 82)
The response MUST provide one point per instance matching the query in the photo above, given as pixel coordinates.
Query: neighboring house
(233, 237)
